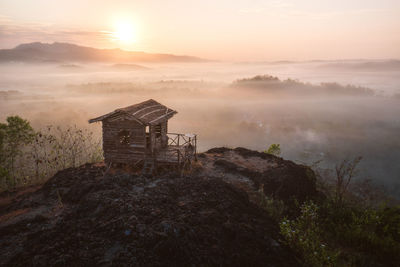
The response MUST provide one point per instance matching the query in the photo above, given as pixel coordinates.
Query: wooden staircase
(148, 167)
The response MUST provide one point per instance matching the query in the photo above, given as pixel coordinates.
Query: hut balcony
(180, 148)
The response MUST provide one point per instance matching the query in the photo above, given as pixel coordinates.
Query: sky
(233, 30)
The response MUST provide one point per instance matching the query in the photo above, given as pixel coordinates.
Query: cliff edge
(88, 216)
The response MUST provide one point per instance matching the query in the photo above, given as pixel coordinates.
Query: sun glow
(124, 32)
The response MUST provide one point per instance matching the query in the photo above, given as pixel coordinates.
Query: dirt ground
(85, 216)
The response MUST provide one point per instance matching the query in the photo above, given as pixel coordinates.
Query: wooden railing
(183, 146)
(176, 139)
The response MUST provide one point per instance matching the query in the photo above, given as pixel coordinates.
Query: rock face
(83, 216)
(280, 179)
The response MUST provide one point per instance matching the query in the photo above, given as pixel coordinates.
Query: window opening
(124, 137)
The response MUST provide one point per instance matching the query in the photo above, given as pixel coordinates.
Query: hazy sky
(215, 29)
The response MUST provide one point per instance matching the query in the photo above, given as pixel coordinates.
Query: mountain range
(38, 52)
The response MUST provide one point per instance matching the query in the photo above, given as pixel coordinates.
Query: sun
(124, 32)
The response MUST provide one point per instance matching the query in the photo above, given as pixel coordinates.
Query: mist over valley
(317, 111)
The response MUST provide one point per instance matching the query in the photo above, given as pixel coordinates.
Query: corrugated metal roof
(149, 112)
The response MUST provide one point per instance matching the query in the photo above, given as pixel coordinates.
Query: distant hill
(129, 67)
(65, 52)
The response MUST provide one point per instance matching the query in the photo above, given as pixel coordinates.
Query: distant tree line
(274, 84)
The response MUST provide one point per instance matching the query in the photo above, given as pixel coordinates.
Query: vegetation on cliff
(28, 156)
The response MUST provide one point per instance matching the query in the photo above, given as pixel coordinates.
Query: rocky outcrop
(280, 179)
(86, 216)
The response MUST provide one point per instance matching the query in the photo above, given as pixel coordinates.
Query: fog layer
(226, 105)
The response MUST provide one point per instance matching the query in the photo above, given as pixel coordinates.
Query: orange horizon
(240, 31)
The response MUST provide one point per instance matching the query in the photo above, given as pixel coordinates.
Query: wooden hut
(139, 134)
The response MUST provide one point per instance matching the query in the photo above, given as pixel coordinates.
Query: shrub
(351, 226)
(367, 236)
(274, 207)
(274, 149)
(304, 235)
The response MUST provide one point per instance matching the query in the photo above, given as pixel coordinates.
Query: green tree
(3, 170)
(16, 133)
(305, 235)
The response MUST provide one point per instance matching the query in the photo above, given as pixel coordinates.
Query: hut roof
(149, 112)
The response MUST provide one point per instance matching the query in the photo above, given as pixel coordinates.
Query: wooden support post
(195, 147)
(152, 139)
